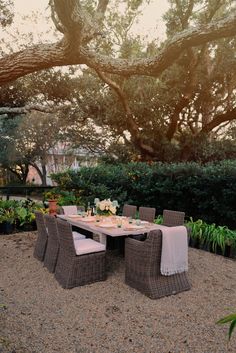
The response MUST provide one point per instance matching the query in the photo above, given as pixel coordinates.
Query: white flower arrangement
(106, 207)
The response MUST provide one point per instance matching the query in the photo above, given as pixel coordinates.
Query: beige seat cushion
(88, 246)
(78, 236)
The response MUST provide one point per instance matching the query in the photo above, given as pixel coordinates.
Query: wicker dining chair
(74, 270)
(147, 214)
(129, 211)
(173, 218)
(142, 268)
(52, 250)
(41, 242)
(72, 209)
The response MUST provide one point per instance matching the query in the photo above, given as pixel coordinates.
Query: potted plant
(7, 219)
(52, 199)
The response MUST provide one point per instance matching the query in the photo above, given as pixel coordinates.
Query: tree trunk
(44, 175)
(25, 171)
(185, 153)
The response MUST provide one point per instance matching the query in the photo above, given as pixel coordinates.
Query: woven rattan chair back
(142, 268)
(147, 214)
(52, 250)
(41, 242)
(173, 218)
(81, 208)
(65, 236)
(68, 210)
(129, 211)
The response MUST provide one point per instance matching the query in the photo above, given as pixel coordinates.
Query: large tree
(181, 70)
(25, 140)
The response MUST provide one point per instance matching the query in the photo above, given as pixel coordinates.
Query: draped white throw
(174, 255)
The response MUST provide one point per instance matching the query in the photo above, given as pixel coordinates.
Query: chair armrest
(136, 246)
(137, 252)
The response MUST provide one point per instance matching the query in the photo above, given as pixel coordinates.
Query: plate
(133, 227)
(105, 225)
(144, 222)
(87, 219)
(74, 216)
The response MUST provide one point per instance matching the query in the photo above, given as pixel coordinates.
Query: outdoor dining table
(113, 226)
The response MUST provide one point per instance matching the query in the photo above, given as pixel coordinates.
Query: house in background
(61, 158)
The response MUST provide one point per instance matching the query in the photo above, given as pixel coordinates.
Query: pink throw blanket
(174, 255)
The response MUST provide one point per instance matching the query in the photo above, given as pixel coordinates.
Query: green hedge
(207, 192)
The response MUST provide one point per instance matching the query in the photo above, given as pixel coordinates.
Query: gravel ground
(40, 316)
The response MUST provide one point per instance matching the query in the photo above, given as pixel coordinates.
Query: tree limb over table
(80, 28)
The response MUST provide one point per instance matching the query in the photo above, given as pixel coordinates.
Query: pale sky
(151, 23)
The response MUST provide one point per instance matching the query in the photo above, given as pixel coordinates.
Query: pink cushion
(88, 246)
(77, 236)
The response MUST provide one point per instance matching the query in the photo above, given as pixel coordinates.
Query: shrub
(206, 192)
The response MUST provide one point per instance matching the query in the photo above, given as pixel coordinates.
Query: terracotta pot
(52, 207)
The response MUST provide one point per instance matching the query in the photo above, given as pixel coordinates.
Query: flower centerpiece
(106, 207)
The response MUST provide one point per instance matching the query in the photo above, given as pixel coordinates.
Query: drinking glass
(138, 222)
(119, 223)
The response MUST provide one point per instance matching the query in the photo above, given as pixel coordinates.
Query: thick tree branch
(55, 19)
(34, 59)
(69, 14)
(187, 95)
(80, 26)
(184, 15)
(173, 48)
(30, 107)
(38, 169)
(219, 119)
(117, 89)
(101, 8)
(131, 124)
(193, 64)
(65, 53)
(183, 102)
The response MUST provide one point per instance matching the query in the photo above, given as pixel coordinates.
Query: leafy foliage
(19, 213)
(210, 236)
(169, 112)
(6, 12)
(26, 139)
(203, 192)
(63, 197)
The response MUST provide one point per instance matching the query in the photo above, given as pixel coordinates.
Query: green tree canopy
(149, 101)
